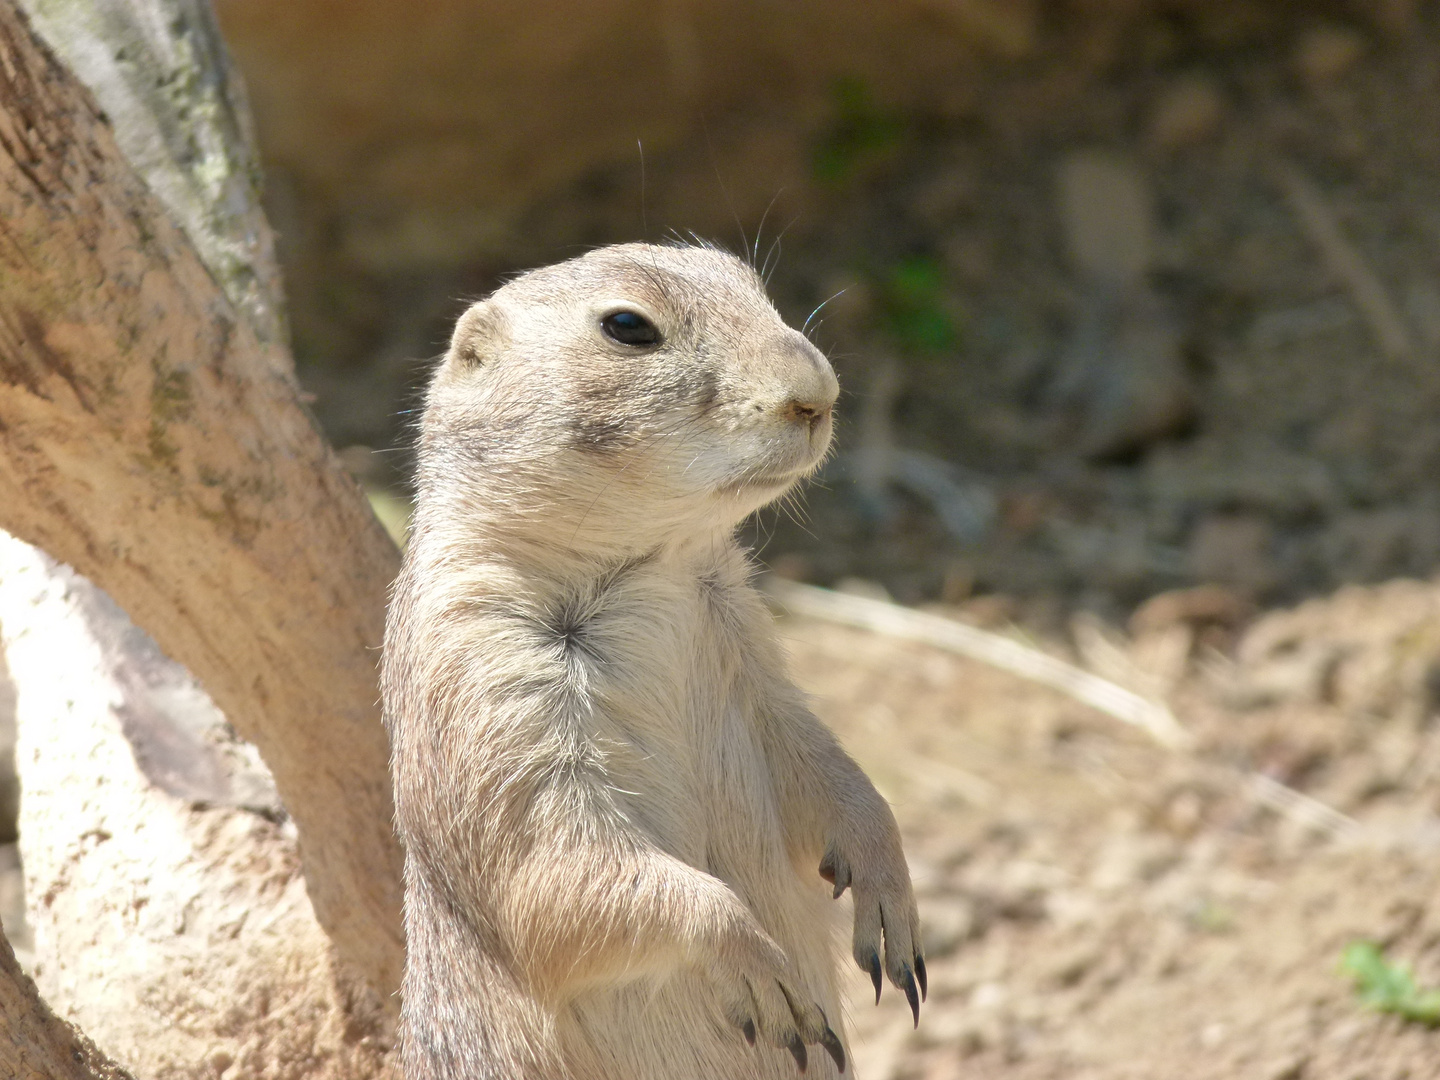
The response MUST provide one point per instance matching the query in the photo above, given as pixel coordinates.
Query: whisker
(715, 166)
(644, 226)
(755, 257)
(818, 307)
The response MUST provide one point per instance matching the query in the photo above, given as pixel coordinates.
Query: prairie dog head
(624, 398)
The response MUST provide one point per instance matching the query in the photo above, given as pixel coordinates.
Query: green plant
(860, 132)
(915, 309)
(1387, 986)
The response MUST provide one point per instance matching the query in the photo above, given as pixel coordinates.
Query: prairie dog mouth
(761, 481)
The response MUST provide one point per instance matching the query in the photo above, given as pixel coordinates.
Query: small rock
(1201, 606)
(1184, 813)
(1106, 210)
(1121, 374)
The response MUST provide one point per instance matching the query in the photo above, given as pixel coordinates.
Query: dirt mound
(1099, 907)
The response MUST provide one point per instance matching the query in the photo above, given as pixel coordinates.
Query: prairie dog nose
(812, 388)
(807, 412)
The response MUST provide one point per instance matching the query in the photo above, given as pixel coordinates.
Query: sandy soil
(1097, 906)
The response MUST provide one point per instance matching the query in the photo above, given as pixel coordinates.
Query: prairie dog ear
(479, 336)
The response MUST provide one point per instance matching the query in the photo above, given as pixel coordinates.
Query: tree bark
(38, 1045)
(152, 441)
(160, 71)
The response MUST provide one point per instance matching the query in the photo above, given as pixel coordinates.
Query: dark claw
(835, 871)
(797, 1051)
(831, 1042)
(875, 974)
(748, 1029)
(920, 974)
(827, 867)
(911, 994)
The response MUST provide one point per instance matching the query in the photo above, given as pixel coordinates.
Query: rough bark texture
(150, 440)
(37, 1044)
(160, 72)
(170, 917)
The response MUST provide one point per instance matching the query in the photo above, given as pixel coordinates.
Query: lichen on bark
(159, 70)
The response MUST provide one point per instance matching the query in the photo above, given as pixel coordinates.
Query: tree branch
(37, 1043)
(149, 439)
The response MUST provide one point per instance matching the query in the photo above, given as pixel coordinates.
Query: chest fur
(668, 664)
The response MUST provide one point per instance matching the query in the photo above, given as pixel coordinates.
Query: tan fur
(614, 802)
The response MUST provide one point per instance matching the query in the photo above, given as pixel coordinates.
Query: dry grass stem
(1301, 808)
(1153, 717)
(1368, 292)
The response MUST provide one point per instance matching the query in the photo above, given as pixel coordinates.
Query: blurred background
(1125, 295)
(1136, 307)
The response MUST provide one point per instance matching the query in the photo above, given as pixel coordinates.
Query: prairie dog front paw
(885, 913)
(765, 1001)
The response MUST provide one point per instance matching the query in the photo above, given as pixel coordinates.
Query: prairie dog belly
(681, 751)
(686, 762)
(732, 830)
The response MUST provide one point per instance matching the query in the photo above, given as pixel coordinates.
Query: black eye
(628, 328)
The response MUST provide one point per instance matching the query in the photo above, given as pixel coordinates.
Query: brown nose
(805, 412)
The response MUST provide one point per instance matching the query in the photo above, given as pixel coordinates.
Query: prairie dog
(623, 827)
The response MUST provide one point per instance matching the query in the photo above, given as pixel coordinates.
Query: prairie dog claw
(911, 994)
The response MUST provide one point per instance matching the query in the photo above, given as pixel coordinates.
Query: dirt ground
(1097, 906)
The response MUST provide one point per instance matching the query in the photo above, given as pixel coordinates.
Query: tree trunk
(160, 72)
(152, 440)
(37, 1045)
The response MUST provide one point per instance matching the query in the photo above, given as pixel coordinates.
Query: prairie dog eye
(630, 328)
